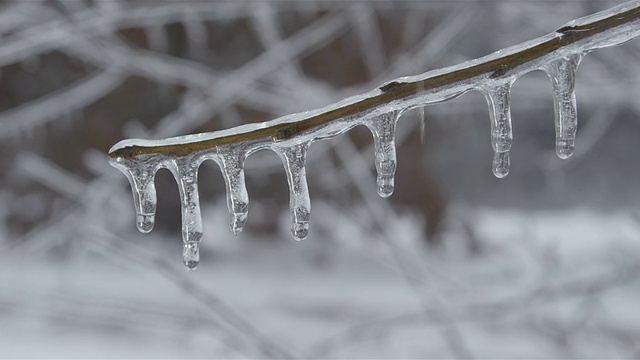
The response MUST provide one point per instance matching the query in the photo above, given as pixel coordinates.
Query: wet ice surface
(383, 129)
(355, 306)
(560, 65)
(501, 134)
(562, 74)
(294, 159)
(232, 165)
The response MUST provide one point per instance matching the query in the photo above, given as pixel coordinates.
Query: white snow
(545, 284)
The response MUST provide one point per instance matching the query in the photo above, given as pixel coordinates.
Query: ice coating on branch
(562, 73)
(383, 128)
(141, 174)
(294, 158)
(586, 20)
(231, 162)
(619, 36)
(185, 171)
(292, 134)
(501, 134)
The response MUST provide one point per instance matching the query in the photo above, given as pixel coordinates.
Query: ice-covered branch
(558, 54)
(608, 28)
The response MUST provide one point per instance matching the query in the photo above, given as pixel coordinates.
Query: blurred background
(456, 264)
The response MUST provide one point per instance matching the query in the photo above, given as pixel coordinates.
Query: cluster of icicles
(560, 65)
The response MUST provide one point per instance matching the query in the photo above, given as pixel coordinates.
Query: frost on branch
(558, 54)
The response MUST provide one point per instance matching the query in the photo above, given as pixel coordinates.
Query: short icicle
(562, 73)
(383, 128)
(185, 171)
(294, 158)
(232, 164)
(501, 134)
(141, 175)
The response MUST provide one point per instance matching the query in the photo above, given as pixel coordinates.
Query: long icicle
(294, 159)
(383, 128)
(232, 164)
(185, 171)
(498, 98)
(562, 73)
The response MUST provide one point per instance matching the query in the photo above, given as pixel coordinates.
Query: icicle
(562, 73)
(185, 171)
(141, 174)
(383, 129)
(501, 135)
(232, 164)
(300, 205)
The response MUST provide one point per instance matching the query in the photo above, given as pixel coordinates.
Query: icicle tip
(145, 222)
(501, 164)
(565, 149)
(237, 222)
(385, 185)
(300, 230)
(191, 255)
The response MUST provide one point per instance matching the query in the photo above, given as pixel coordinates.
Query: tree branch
(558, 54)
(608, 28)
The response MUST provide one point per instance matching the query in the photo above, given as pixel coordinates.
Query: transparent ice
(294, 159)
(383, 129)
(562, 73)
(561, 66)
(141, 173)
(501, 134)
(231, 161)
(185, 171)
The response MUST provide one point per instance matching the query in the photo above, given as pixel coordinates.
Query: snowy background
(456, 264)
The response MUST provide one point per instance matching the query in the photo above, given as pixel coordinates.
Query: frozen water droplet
(501, 163)
(562, 73)
(501, 134)
(187, 175)
(145, 222)
(383, 129)
(231, 162)
(191, 255)
(300, 205)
